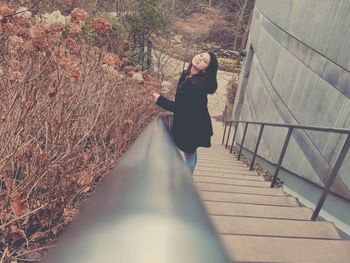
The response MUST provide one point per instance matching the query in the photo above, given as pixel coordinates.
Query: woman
(192, 126)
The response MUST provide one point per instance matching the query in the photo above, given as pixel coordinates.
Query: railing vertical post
(243, 138)
(224, 115)
(284, 148)
(228, 135)
(257, 146)
(223, 137)
(234, 137)
(333, 173)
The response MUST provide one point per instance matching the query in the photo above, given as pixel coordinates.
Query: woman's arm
(166, 104)
(186, 101)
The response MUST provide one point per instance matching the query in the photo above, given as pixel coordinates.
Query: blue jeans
(191, 160)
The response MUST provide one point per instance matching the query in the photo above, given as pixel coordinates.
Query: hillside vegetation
(67, 113)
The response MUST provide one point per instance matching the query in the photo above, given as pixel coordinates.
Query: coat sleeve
(188, 103)
(166, 104)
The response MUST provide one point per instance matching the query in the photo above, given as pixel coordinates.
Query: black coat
(192, 126)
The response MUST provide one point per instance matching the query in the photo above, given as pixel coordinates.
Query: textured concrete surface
(300, 74)
(248, 198)
(320, 24)
(231, 175)
(230, 181)
(277, 249)
(265, 211)
(274, 227)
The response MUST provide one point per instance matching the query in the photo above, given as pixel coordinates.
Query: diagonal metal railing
(331, 174)
(146, 211)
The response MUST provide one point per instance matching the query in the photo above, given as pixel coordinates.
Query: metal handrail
(294, 126)
(146, 211)
(332, 173)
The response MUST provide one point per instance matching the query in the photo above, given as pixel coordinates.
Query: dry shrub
(223, 35)
(231, 91)
(64, 122)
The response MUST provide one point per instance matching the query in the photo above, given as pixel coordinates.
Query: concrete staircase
(261, 224)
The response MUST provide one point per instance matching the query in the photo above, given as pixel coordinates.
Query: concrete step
(225, 155)
(223, 169)
(258, 223)
(226, 171)
(221, 150)
(217, 153)
(218, 160)
(276, 249)
(230, 181)
(264, 211)
(224, 165)
(222, 160)
(249, 199)
(213, 150)
(231, 175)
(239, 189)
(274, 227)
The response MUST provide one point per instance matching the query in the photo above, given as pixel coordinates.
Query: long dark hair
(208, 77)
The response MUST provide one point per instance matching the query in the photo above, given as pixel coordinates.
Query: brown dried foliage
(78, 15)
(64, 122)
(100, 25)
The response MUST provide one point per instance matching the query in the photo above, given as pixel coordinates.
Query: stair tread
(226, 171)
(241, 176)
(252, 210)
(212, 150)
(249, 198)
(239, 189)
(223, 169)
(257, 223)
(230, 181)
(274, 227)
(223, 165)
(223, 161)
(277, 249)
(224, 158)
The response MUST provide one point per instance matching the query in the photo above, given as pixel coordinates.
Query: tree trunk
(117, 7)
(235, 42)
(246, 31)
(174, 5)
(240, 22)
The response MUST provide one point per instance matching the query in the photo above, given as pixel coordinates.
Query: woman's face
(201, 61)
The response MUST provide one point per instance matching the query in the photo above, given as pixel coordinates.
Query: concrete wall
(300, 75)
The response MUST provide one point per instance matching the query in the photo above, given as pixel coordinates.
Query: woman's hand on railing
(155, 96)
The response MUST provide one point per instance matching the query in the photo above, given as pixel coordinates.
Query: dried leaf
(84, 178)
(17, 206)
(14, 229)
(86, 156)
(86, 189)
(36, 235)
(70, 213)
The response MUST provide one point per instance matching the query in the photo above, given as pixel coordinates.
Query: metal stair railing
(147, 210)
(331, 174)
